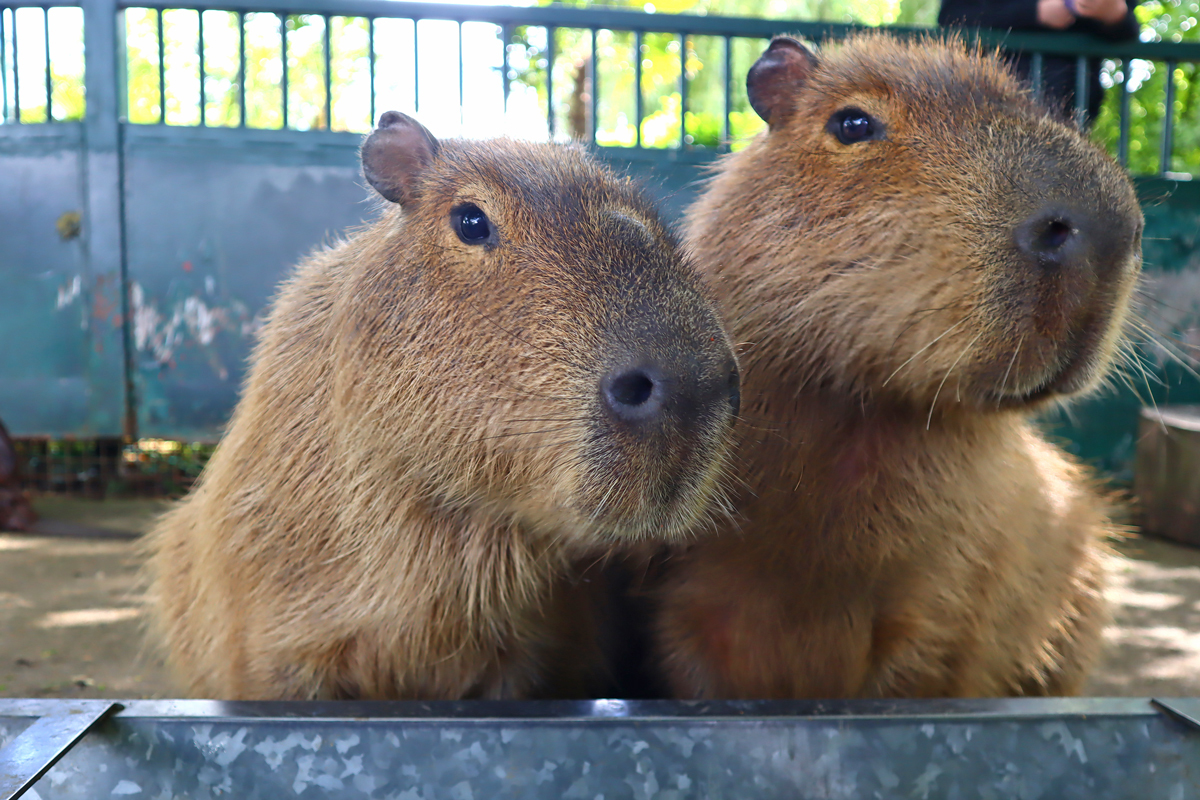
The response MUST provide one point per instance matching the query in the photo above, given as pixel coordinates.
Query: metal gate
(136, 257)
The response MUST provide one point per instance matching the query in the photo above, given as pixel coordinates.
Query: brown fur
(904, 529)
(420, 449)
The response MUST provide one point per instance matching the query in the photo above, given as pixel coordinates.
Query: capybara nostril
(631, 394)
(1055, 235)
(735, 390)
(1051, 237)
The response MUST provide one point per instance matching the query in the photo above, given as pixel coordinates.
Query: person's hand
(1055, 14)
(1110, 12)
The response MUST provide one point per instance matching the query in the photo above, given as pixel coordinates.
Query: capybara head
(915, 225)
(522, 336)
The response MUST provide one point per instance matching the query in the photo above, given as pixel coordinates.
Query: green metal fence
(530, 43)
(233, 100)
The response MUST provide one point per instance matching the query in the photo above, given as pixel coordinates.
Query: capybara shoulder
(918, 257)
(511, 366)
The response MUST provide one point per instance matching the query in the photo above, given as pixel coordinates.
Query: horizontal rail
(15, 4)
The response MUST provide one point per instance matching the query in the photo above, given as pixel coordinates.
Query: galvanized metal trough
(604, 749)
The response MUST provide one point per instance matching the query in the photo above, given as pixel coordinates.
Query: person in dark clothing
(1109, 19)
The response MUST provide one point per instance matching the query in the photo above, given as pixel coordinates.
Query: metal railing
(690, 66)
(36, 20)
(530, 41)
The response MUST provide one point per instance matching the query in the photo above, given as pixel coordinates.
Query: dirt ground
(71, 611)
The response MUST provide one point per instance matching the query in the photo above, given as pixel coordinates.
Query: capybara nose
(1059, 238)
(1053, 238)
(644, 393)
(634, 394)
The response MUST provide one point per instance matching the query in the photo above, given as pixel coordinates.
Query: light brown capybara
(914, 258)
(511, 367)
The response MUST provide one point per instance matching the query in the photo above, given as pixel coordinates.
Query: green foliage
(306, 77)
(1162, 21)
(704, 61)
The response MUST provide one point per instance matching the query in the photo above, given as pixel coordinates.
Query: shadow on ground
(71, 611)
(1153, 646)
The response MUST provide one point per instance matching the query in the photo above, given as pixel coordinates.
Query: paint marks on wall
(165, 327)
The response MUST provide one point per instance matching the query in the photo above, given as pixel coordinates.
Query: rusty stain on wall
(164, 326)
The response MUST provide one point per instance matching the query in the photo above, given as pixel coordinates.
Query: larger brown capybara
(511, 367)
(916, 258)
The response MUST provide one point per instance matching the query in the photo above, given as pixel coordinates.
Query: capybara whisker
(931, 343)
(929, 419)
(1008, 370)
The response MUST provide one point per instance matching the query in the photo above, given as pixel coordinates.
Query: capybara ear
(395, 155)
(775, 78)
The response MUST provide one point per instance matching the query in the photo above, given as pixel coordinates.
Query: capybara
(511, 367)
(915, 258)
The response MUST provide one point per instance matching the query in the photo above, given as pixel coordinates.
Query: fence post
(104, 179)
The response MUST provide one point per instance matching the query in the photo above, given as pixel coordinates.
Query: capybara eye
(471, 224)
(852, 125)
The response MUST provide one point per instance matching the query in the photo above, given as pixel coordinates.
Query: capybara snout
(1058, 231)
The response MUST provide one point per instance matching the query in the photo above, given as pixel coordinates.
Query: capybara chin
(513, 365)
(916, 257)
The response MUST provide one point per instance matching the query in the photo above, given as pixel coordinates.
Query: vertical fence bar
(1035, 76)
(283, 55)
(328, 46)
(416, 68)
(104, 198)
(371, 65)
(1123, 143)
(1168, 121)
(16, 71)
(595, 87)
(683, 91)
(727, 76)
(162, 71)
(505, 35)
(3, 70)
(203, 77)
(550, 81)
(1083, 79)
(46, 52)
(460, 76)
(241, 69)
(637, 86)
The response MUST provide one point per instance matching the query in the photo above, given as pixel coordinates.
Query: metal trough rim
(58, 725)
(603, 709)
